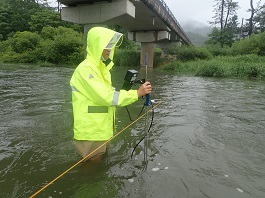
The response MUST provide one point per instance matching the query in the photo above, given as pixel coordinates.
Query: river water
(207, 138)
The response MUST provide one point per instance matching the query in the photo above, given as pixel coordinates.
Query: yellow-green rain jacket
(94, 99)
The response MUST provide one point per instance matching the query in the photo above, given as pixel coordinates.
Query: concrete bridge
(149, 22)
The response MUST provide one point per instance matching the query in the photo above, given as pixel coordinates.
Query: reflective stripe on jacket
(93, 98)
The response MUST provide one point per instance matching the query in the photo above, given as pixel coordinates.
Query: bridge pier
(148, 40)
(147, 48)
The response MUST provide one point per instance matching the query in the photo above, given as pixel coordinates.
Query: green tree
(252, 22)
(28, 15)
(226, 19)
(214, 37)
(224, 10)
(15, 14)
(5, 22)
(259, 19)
(220, 37)
(42, 18)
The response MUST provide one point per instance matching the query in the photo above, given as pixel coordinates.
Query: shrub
(210, 69)
(124, 57)
(190, 53)
(20, 48)
(261, 44)
(158, 60)
(217, 50)
(253, 45)
(61, 46)
(25, 41)
(171, 66)
(55, 45)
(243, 66)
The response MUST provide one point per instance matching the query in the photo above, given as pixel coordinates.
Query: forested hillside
(197, 32)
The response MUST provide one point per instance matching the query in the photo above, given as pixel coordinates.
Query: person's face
(106, 53)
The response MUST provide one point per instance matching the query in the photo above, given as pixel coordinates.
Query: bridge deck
(150, 15)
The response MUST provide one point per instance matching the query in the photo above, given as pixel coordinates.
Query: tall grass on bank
(243, 66)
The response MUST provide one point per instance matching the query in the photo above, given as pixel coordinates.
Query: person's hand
(145, 88)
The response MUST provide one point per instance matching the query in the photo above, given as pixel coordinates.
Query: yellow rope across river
(58, 177)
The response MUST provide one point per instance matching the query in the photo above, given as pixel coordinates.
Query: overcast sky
(202, 10)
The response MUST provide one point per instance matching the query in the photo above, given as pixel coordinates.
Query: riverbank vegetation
(245, 58)
(32, 32)
(243, 66)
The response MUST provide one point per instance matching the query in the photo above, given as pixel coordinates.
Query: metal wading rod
(147, 104)
(73, 166)
(145, 138)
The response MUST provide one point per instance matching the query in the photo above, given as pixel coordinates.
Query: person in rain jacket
(93, 98)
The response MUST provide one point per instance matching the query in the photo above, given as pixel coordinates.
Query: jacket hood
(98, 38)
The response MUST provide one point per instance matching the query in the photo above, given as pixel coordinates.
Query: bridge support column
(147, 48)
(148, 39)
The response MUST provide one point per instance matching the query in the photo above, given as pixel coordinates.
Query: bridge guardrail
(153, 4)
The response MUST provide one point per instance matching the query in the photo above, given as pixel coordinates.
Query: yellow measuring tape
(51, 182)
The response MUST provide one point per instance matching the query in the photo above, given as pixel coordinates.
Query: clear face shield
(116, 41)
